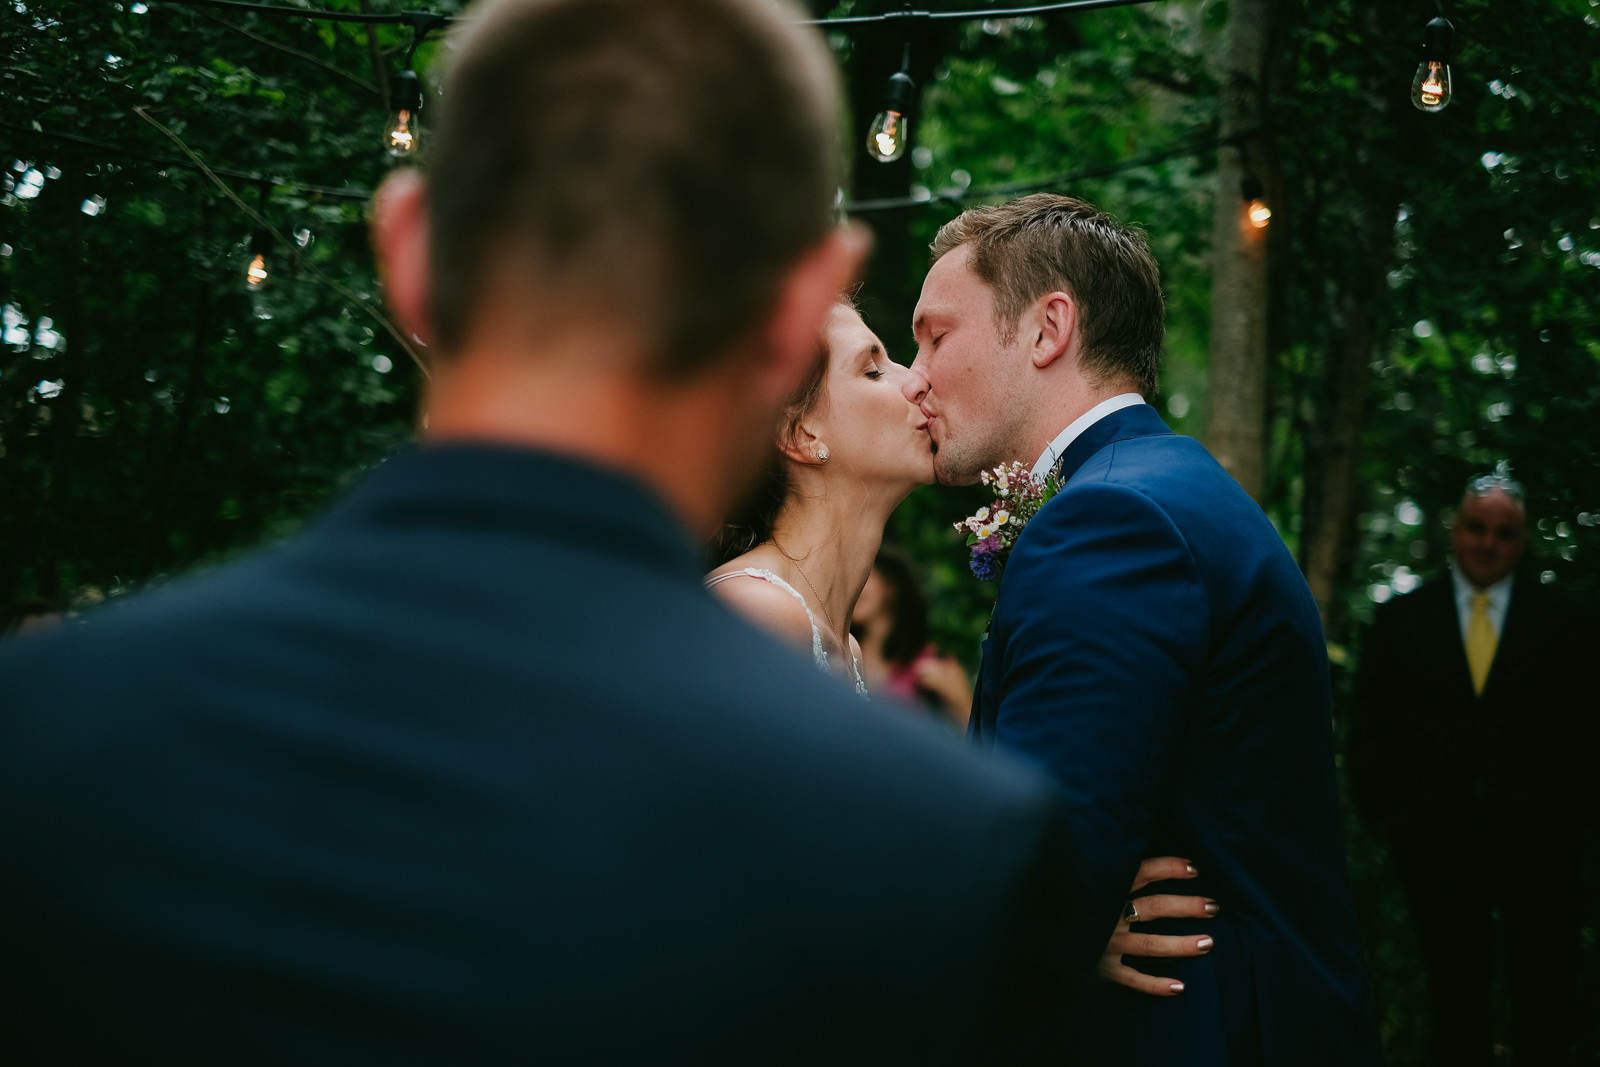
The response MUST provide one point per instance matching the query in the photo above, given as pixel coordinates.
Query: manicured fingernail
(1190, 868)
(1212, 907)
(1177, 987)
(1204, 944)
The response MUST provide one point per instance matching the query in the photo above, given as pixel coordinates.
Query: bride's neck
(834, 536)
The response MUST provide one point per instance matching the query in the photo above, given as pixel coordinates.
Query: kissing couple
(1154, 646)
(475, 770)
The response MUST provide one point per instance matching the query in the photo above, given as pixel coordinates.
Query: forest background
(1423, 305)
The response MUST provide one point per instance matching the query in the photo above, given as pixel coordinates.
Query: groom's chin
(943, 475)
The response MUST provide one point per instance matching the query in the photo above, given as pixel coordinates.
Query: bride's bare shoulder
(764, 603)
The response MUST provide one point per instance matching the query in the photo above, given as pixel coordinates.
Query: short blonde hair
(1044, 243)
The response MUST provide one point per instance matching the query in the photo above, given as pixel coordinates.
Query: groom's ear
(1055, 328)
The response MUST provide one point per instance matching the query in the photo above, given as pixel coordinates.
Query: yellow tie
(1481, 642)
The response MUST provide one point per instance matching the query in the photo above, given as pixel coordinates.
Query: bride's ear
(803, 446)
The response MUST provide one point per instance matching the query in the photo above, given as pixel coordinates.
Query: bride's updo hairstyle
(752, 521)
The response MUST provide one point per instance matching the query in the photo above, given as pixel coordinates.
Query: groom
(1154, 646)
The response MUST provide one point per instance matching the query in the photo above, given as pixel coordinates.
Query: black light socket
(1251, 189)
(1438, 37)
(899, 93)
(405, 92)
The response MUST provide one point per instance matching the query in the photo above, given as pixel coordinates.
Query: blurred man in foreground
(1470, 736)
(475, 771)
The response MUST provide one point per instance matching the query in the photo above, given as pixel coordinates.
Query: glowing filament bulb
(1430, 89)
(886, 140)
(402, 138)
(257, 271)
(890, 131)
(1260, 213)
(403, 135)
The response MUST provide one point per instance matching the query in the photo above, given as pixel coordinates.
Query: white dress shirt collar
(1499, 600)
(1054, 450)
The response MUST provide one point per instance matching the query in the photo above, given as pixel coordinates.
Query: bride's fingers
(1113, 970)
(1160, 945)
(1171, 906)
(1161, 868)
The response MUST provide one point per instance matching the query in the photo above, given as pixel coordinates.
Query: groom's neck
(1064, 405)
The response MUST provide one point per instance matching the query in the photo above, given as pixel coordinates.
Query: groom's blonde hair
(660, 164)
(1046, 243)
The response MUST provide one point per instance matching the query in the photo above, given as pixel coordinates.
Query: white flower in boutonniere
(991, 535)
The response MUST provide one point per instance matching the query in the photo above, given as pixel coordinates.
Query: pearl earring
(822, 453)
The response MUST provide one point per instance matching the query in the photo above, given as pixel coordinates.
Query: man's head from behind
(653, 173)
(1026, 303)
(1490, 532)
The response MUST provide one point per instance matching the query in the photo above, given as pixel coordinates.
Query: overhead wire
(170, 163)
(904, 15)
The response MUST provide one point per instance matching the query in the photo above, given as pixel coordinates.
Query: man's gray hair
(1500, 478)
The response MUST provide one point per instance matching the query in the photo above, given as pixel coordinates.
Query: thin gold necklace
(832, 629)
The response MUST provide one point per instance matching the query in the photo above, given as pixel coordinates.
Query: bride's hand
(1124, 942)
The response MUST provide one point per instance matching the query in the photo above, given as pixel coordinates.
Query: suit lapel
(1140, 420)
(1447, 623)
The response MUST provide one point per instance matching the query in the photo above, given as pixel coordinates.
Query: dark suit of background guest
(1483, 801)
(464, 776)
(1156, 648)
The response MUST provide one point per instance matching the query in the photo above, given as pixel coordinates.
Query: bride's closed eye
(873, 372)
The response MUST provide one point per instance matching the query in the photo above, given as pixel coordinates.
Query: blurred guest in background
(474, 770)
(29, 615)
(891, 624)
(1471, 757)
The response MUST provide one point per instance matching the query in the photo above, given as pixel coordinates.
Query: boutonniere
(993, 530)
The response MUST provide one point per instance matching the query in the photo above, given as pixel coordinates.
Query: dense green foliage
(194, 417)
(1459, 253)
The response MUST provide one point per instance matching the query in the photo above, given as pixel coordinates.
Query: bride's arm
(769, 607)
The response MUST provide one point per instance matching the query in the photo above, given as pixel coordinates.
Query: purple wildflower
(985, 565)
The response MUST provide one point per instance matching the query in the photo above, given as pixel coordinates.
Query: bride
(851, 446)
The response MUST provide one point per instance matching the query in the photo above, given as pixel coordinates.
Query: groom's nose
(914, 385)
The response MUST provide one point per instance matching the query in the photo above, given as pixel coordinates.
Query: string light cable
(168, 163)
(435, 19)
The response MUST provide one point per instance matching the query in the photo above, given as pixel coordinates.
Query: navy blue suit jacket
(475, 771)
(1157, 650)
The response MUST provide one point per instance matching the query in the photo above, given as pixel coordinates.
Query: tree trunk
(59, 544)
(1331, 514)
(153, 552)
(1237, 402)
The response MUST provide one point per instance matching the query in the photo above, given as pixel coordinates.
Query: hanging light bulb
(890, 131)
(255, 275)
(1255, 199)
(405, 98)
(1430, 89)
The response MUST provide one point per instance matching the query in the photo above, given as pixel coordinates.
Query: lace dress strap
(818, 653)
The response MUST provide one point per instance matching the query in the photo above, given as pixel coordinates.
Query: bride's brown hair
(752, 521)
